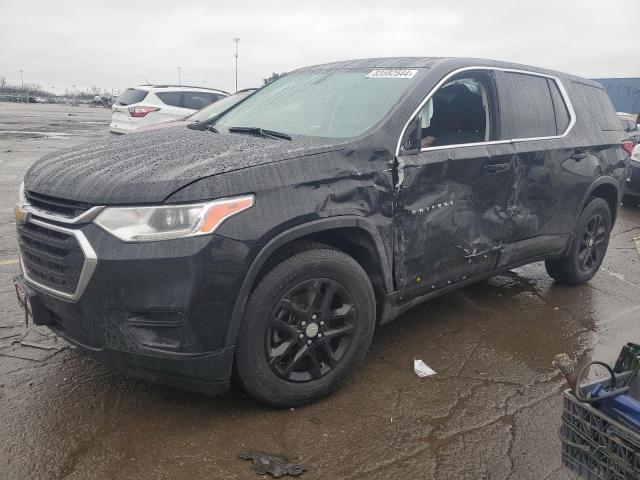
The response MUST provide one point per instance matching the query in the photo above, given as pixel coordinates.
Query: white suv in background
(149, 104)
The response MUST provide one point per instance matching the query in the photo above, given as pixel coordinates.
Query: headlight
(635, 155)
(163, 222)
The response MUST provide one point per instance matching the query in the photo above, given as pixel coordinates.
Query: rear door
(551, 172)
(173, 102)
(453, 193)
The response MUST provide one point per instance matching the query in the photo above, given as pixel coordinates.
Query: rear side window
(559, 107)
(170, 98)
(597, 102)
(198, 100)
(526, 106)
(131, 95)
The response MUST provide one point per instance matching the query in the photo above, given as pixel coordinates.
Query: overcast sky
(115, 44)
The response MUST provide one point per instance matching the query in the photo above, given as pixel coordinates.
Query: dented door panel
(451, 215)
(550, 188)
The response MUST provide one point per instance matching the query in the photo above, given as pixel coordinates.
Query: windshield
(342, 103)
(216, 108)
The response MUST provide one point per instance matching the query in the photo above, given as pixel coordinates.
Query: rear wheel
(588, 248)
(307, 325)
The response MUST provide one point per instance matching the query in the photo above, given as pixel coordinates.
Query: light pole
(237, 41)
(179, 71)
(22, 82)
(75, 99)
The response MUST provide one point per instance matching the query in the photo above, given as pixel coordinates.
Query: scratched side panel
(552, 181)
(450, 219)
(548, 188)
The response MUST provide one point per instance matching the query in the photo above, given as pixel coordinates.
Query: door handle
(496, 167)
(578, 156)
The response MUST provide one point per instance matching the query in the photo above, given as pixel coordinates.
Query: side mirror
(411, 141)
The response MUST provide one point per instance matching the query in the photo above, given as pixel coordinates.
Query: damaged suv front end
(142, 250)
(94, 277)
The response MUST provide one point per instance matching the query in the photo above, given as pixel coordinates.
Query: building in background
(623, 92)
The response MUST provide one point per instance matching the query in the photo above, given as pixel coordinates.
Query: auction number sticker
(395, 73)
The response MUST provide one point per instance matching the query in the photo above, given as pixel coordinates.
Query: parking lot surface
(492, 411)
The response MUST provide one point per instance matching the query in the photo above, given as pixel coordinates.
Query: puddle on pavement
(493, 406)
(28, 134)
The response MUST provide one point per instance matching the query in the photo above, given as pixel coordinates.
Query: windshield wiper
(260, 131)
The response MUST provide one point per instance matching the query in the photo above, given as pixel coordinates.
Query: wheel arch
(333, 231)
(607, 188)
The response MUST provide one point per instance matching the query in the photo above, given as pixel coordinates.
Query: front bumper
(158, 310)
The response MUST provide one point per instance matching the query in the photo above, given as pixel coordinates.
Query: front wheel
(306, 327)
(588, 248)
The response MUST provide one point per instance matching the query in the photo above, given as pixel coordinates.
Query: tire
(588, 247)
(306, 327)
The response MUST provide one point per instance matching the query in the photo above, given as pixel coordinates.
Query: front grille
(51, 258)
(57, 206)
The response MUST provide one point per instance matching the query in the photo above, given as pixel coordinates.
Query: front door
(453, 191)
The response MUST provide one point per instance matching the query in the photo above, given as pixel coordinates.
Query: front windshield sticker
(392, 73)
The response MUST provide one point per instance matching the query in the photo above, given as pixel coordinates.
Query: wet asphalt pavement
(491, 412)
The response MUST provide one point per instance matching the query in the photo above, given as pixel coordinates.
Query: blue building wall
(623, 92)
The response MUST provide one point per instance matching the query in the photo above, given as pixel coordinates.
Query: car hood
(148, 167)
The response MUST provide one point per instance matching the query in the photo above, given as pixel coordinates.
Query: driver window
(458, 113)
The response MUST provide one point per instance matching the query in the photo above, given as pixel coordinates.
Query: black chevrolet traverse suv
(271, 241)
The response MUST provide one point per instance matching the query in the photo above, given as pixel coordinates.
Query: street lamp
(22, 82)
(179, 71)
(237, 41)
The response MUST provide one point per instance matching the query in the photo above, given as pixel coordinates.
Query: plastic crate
(594, 445)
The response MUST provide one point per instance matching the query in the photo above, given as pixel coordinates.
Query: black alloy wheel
(310, 330)
(593, 243)
(587, 246)
(306, 327)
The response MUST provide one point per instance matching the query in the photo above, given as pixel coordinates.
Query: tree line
(36, 90)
